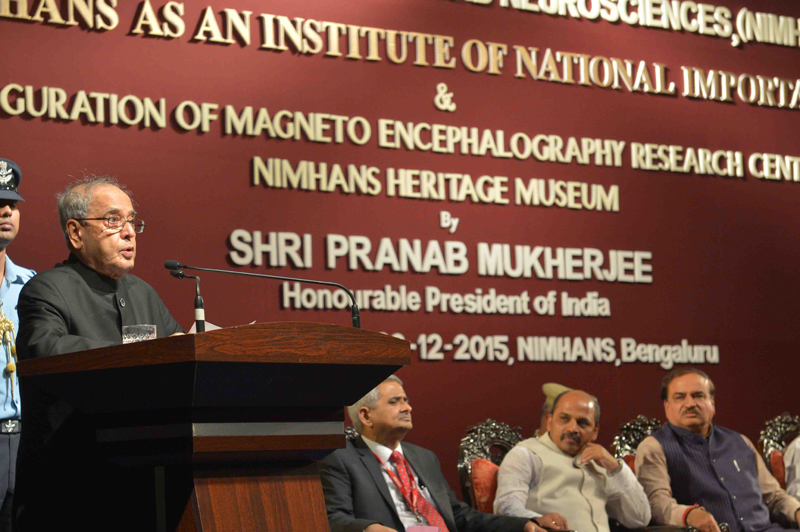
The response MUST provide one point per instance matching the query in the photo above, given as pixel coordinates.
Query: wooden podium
(233, 419)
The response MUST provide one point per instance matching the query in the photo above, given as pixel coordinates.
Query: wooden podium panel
(236, 417)
(280, 500)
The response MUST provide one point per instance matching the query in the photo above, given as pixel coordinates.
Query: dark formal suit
(61, 477)
(356, 494)
(73, 308)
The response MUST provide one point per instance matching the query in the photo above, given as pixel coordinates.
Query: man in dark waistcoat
(82, 304)
(700, 474)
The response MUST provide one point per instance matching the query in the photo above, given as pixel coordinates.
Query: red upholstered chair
(630, 436)
(777, 434)
(479, 457)
(484, 484)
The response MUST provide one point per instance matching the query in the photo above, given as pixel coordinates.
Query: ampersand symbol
(444, 100)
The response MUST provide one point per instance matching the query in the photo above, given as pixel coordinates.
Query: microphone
(176, 269)
(174, 265)
(199, 310)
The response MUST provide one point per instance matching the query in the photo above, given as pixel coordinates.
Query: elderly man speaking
(81, 304)
(84, 302)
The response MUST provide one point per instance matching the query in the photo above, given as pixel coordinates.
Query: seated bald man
(379, 483)
(563, 480)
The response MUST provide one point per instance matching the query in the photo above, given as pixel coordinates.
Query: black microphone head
(178, 274)
(173, 265)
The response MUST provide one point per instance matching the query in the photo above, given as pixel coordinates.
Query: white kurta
(537, 478)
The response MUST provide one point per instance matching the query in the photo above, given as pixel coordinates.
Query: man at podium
(82, 304)
(360, 480)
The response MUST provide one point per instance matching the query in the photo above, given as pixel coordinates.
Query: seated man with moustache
(563, 480)
(378, 484)
(699, 474)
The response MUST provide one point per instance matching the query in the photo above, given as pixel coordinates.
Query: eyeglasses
(117, 223)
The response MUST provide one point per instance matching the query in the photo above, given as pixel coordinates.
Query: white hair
(73, 202)
(370, 401)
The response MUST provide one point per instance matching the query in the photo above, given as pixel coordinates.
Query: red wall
(723, 249)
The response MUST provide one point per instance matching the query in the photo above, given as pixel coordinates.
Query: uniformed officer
(13, 278)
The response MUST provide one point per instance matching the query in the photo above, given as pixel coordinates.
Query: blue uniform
(15, 279)
(10, 287)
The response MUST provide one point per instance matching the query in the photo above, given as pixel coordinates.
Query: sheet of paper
(209, 327)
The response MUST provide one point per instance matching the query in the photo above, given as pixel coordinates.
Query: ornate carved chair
(630, 436)
(777, 434)
(479, 457)
(350, 433)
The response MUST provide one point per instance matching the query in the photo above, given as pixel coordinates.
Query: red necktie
(410, 493)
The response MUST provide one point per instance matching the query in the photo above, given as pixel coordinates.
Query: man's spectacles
(117, 223)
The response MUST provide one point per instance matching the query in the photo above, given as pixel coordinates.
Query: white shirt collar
(381, 451)
(10, 275)
(11, 271)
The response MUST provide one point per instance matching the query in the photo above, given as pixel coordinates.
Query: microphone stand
(355, 315)
(199, 309)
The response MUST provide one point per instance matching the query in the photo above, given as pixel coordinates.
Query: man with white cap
(13, 279)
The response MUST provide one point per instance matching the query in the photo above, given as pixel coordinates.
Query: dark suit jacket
(72, 308)
(356, 494)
